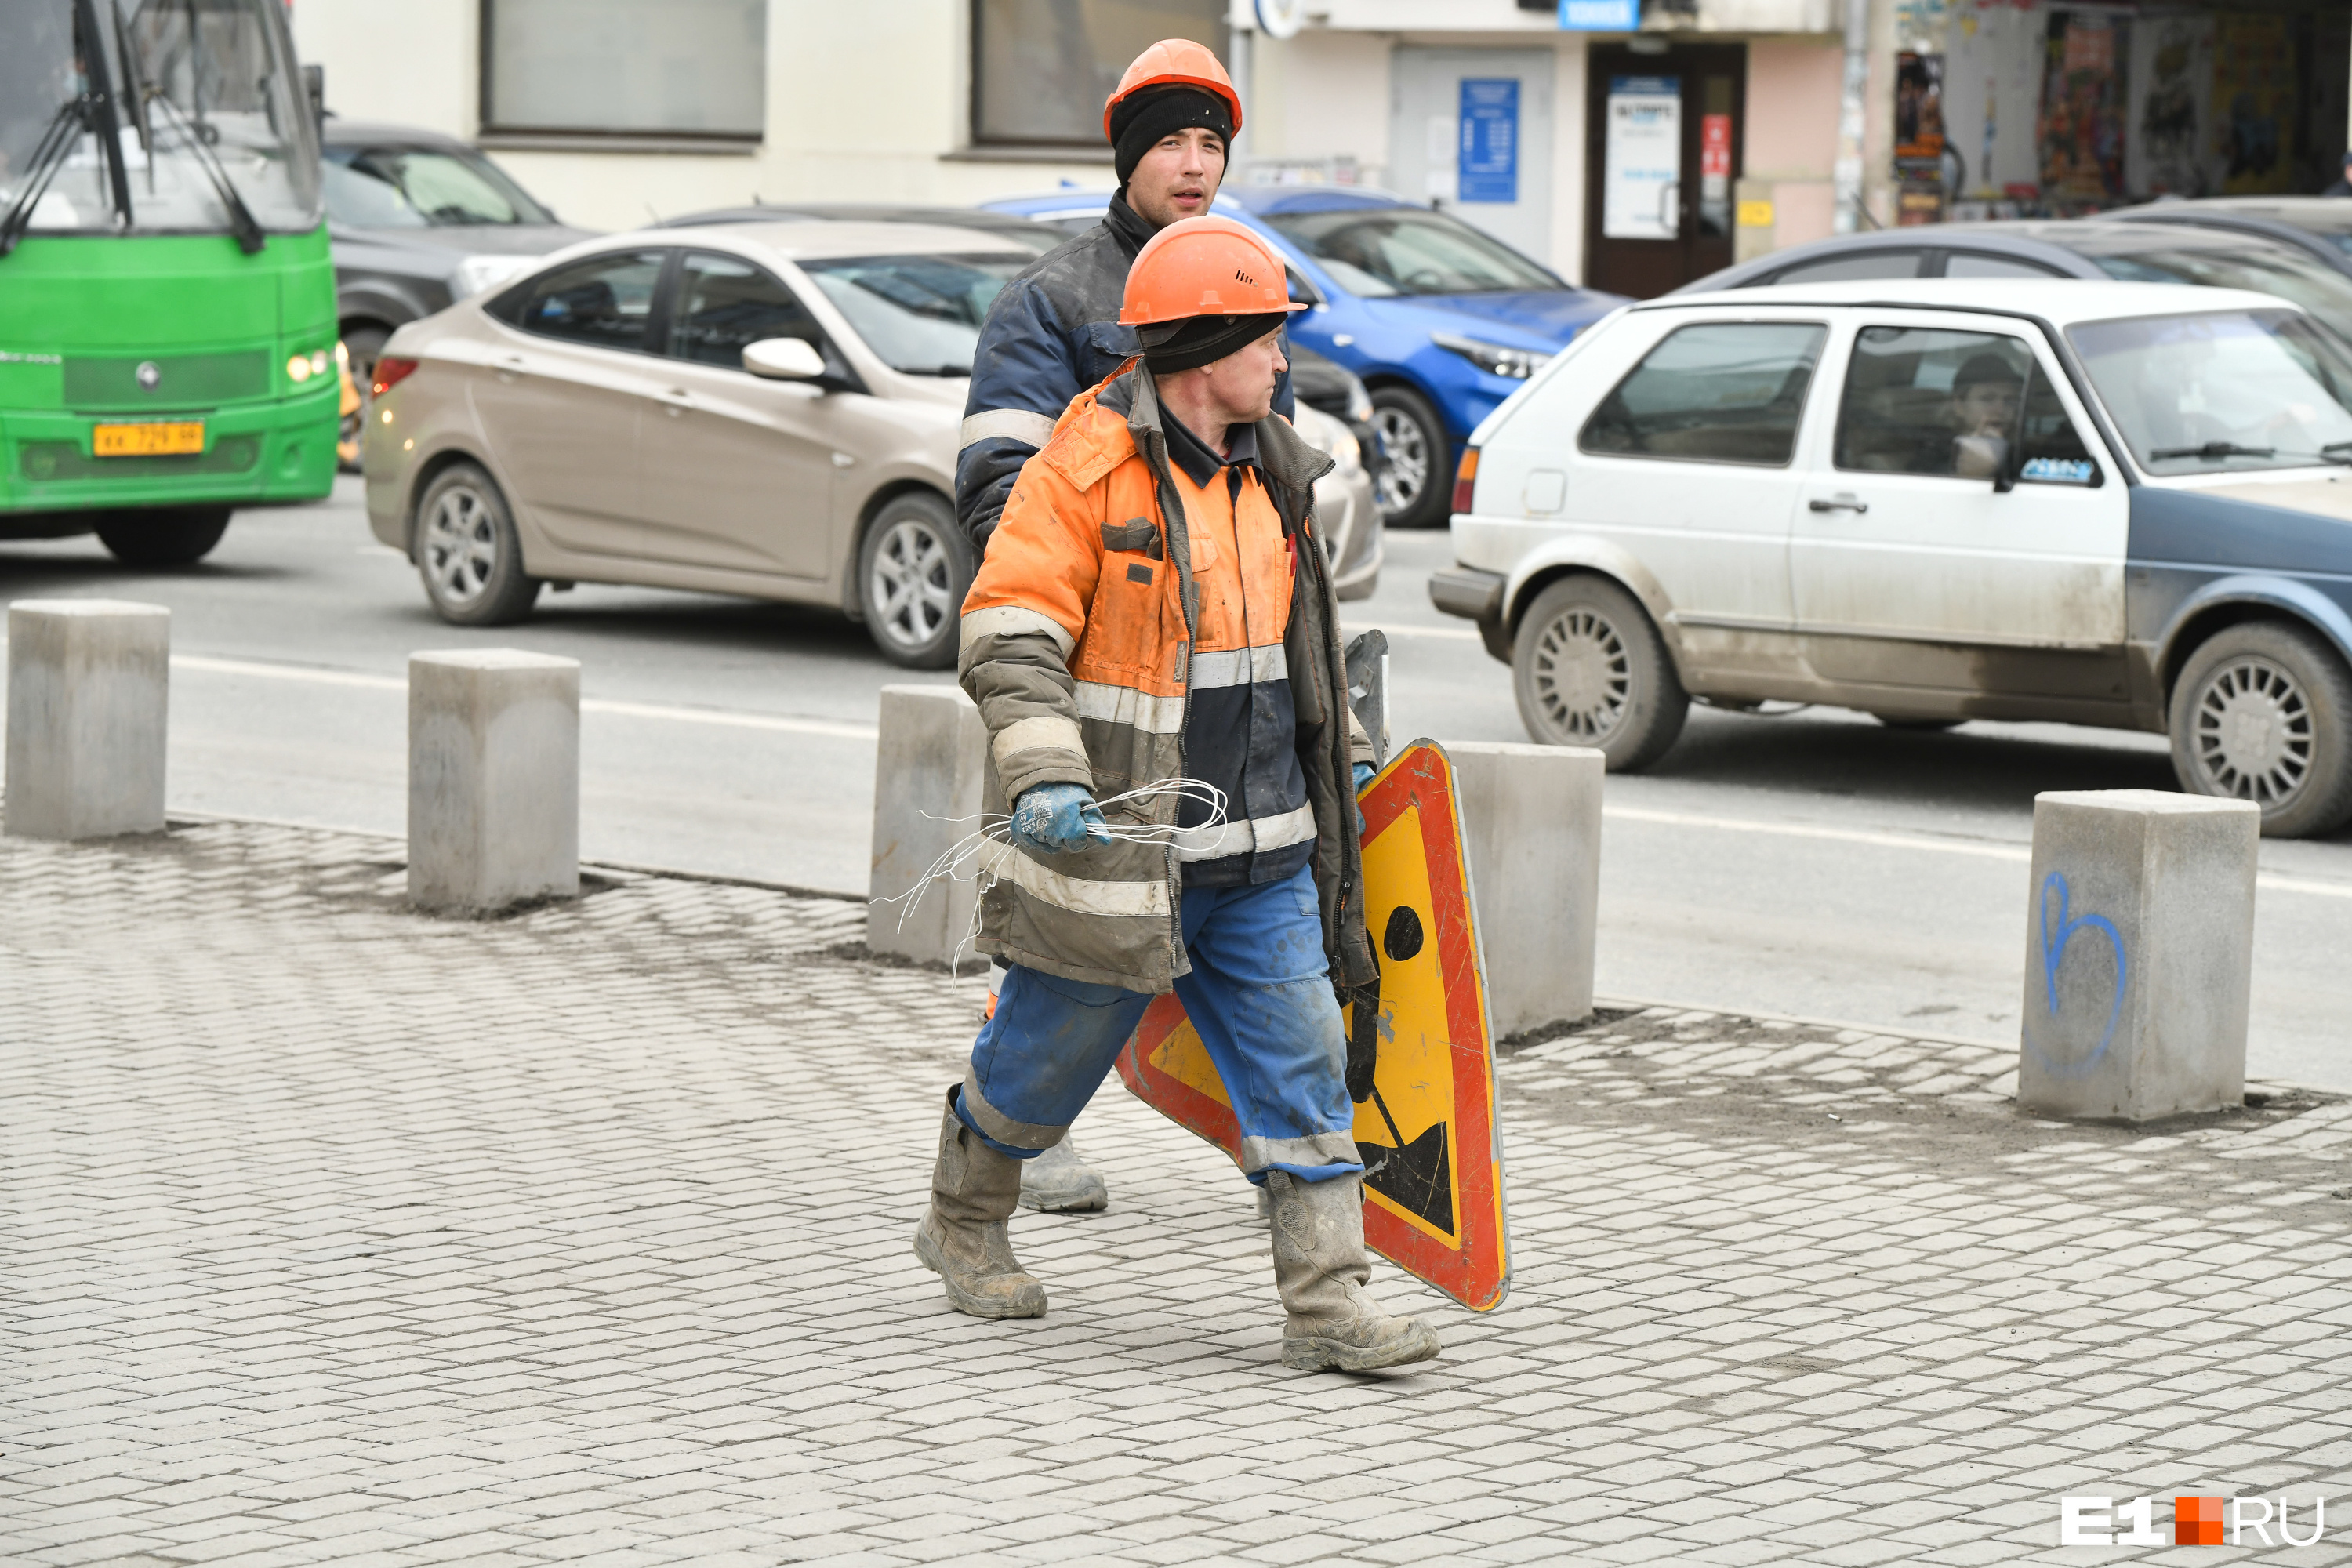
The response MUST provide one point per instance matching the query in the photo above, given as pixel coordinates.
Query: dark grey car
(417, 220)
(2320, 225)
(2138, 251)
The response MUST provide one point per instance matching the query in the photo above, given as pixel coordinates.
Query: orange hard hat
(1174, 62)
(1206, 266)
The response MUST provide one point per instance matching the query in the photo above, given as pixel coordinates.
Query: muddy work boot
(962, 1240)
(1320, 1267)
(1059, 1181)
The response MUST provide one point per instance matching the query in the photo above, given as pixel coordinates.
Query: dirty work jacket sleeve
(1023, 377)
(1025, 613)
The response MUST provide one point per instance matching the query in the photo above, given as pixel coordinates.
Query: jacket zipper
(1180, 552)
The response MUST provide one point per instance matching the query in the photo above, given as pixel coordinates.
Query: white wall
(1322, 94)
(866, 102)
(414, 63)
(1569, 107)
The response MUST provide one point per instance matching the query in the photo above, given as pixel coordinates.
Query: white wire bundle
(984, 848)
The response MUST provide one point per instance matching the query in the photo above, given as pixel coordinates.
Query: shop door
(1470, 133)
(1663, 153)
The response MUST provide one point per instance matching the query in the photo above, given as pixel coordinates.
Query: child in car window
(1985, 396)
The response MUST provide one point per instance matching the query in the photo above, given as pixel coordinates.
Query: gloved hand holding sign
(1364, 774)
(1057, 819)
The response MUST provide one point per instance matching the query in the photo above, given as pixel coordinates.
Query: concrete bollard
(2138, 953)
(930, 758)
(493, 779)
(1532, 818)
(89, 710)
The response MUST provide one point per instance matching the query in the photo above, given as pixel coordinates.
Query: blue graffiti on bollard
(2053, 952)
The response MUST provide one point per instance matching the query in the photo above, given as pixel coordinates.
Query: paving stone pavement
(329, 1233)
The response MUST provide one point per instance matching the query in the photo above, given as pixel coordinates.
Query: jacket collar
(1282, 454)
(1126, 224)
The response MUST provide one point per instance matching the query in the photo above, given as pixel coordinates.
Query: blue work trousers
(1258, 992)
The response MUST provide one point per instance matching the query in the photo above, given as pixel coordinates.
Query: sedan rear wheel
(467, 552)
(1416, 482)
(2263, 712)
(913, 571)
(1589, 669)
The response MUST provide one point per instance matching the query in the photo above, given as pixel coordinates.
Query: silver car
(763, 409)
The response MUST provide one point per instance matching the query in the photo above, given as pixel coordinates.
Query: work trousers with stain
(1259, 993)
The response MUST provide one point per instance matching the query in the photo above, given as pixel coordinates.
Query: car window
(364, 201)
(725, 303)
(1379, 251)
(1984, 264)
(1721, 391)
(922, 315)
(2239, 261)
(1913, 395)
(2222, 392)
(440, 188)
(1859, 266)
(2053, 451)
(602, 301)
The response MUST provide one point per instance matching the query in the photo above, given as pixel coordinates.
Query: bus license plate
(147, 440)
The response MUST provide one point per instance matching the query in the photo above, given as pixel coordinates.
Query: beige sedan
(763, 409)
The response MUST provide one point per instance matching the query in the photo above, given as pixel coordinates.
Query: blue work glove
(1057, 819)
(1364, 773)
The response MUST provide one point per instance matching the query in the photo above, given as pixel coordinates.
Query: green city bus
(167, 302)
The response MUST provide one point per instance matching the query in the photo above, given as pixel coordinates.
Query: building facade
(1694, 133)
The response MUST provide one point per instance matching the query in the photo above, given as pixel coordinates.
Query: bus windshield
(154, 117)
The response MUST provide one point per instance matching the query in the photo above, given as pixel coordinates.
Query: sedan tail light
(390, 372)
(1465, 478)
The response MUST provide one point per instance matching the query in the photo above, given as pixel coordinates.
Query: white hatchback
(2119, 504)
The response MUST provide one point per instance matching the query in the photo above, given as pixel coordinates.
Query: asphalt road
(1813, 865)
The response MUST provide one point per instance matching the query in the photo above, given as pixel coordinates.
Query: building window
(625, 67)
(1042, 69)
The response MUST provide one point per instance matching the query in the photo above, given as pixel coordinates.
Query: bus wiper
(241, 221)
(2212, 452)
(2336, 451)
(48, 156)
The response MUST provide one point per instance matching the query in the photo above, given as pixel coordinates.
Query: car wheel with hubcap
(2262, 712)
(1416, 482)
(164, 536)
(913, 571)
(468, 551)
(1589, 669)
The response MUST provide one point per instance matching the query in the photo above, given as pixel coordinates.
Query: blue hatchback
(1441, 320)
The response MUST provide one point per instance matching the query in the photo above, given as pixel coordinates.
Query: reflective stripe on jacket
(1086, 669)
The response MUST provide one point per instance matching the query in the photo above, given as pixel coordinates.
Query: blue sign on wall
(1489, 170)
(1600, 15)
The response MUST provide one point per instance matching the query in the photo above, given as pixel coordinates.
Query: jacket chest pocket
(1135, 621)
(1108, 346)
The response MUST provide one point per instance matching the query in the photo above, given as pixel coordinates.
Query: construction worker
(1054, 332)
(1156, 605)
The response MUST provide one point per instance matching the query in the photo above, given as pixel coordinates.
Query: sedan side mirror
(783, 359)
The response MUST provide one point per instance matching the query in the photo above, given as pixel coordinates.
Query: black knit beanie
(1197, 341)
(1138, 123)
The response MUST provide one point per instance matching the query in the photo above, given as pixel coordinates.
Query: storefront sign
(1489, 166)
(1600, 15)
(1642, 168)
